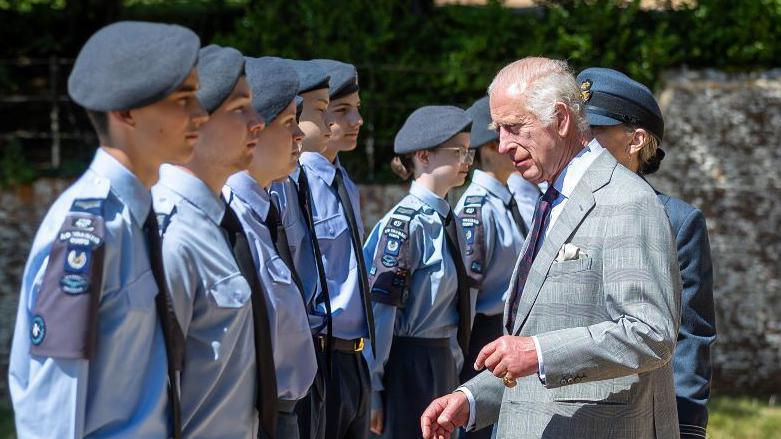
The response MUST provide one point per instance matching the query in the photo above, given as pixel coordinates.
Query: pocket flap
(232, 291)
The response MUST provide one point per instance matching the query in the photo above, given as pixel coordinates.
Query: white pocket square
(569, 252)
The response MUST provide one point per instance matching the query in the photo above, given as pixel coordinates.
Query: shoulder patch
(474, 238)
(405, 211)
(474, 200)
(389, 273)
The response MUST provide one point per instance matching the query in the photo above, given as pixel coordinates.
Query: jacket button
(563, 381)
(570, 380)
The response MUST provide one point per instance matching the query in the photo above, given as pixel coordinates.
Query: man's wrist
(470, 398)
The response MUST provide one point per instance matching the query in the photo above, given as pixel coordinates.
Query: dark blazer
(692, 358)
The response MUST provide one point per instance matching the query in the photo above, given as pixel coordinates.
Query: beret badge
(585, 90)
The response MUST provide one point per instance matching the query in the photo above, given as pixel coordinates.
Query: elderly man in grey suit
(594, 303)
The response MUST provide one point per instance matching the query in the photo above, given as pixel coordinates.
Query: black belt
(339, 344)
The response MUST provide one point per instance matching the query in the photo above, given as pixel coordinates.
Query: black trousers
(485, 329)
(311, 408)
(418, 371)
(347, 396)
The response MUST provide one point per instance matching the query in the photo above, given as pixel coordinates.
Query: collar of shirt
(248, 190)
(520, 187)
(321, 166)
(430, 199)
(492, 185)
(295, 173)
(572, 173)
(192, 189)
(124, 183)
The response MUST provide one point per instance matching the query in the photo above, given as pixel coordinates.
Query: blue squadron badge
(77, 259)
(37, 330)
(392, 248)
(389, 261)
(585, 90)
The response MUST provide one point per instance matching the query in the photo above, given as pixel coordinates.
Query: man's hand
(444, 415)
(509, 357)
(377, 423)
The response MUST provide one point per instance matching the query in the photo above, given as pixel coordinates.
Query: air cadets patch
(69, 295)
(474, 239)
(389, 274)
(37, 330)
(585, 90)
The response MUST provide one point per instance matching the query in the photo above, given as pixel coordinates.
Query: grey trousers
(485, 329)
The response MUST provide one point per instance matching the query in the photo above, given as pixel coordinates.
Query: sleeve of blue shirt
(181, 279)
(692, 360)
(49, 395)
(385, 315)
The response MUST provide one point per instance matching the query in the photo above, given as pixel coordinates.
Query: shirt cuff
(470, 424)
(541, 364)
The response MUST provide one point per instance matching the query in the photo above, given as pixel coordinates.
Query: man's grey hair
(542, 82)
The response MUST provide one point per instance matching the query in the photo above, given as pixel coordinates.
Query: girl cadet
(418, 282)
(494, 231)
(625, 118)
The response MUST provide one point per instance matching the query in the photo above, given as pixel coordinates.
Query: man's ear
(562, 118)
(123, 117)
(423, 157)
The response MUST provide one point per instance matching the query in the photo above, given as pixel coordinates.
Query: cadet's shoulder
(87, 191)
(681, 213)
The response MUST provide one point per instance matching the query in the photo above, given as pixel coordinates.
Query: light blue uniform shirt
(431, 308)
(300, 241)
(294, 352)
(212, 303)
(333, 235)
(502, 241)
(122, 392)
(526, 195)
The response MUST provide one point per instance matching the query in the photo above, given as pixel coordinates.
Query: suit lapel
(578, 206)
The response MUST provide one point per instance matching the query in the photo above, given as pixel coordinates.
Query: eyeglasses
(464, 155)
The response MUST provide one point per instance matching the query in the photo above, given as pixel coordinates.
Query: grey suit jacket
(606, 322)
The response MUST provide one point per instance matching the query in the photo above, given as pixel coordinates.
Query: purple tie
(541, 214)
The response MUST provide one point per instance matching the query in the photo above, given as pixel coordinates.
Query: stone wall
(722, 156)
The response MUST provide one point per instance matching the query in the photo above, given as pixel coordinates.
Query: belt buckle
(358, 345)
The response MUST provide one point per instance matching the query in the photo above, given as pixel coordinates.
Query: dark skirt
(418, 371)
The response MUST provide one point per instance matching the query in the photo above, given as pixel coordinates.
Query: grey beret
(310, 75)
(344, 77)
(132, 64)
(219, 68)
(480, 113)
(274, 85)
(430, 126)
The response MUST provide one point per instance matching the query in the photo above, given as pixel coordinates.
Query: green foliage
(14, 167)
(410, 53)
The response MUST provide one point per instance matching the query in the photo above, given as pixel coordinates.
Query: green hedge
(411, 53)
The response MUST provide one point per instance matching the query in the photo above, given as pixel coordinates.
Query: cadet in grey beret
(311, 76)
(274, 85)
(480, 114)
(430, 126)
(219, 68)
(344, 77)
(131, 64)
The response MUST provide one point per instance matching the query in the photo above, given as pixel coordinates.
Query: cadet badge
(585, 90)
(37, 330)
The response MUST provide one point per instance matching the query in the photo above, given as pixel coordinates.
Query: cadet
(295, 205)
(339, 230)
(418, 281)
(526, 195)
(89, 349)
(494, 231)
(229, 367)
(626, 119)
(274, 84)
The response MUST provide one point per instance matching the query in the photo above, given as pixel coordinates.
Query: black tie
(464, 305)
(266, 399)
(302, 190)
(279, 238)
(172, 332)
(513, 206)
(344, 198)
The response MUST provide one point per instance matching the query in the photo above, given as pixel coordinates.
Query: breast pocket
(141, 292)
(278, 271)
(232, 291)
(334, 238)
(570, 267)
